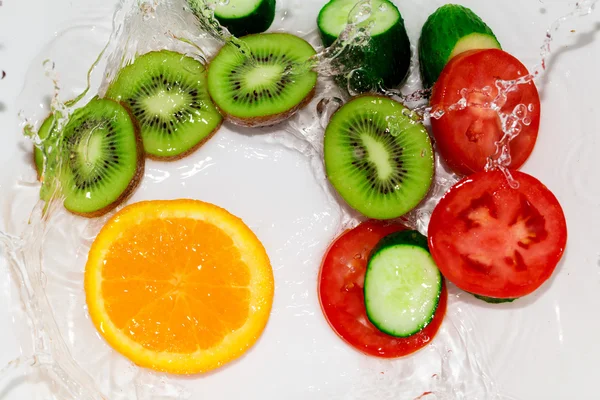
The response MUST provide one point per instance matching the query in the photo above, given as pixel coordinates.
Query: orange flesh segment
(178, 285)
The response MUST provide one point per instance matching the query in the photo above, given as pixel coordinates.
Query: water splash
(341, 58)
(204, 10)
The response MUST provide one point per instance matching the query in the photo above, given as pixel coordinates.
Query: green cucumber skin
(386, 59)
(442, 30)
(257, 22)
(413, 238)
(493, 300)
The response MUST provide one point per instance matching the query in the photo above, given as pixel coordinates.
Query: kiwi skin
(267, 120)
(135, 181)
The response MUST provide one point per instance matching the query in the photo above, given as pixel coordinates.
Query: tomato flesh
(341, 283)
(492, 240)
(467, 138)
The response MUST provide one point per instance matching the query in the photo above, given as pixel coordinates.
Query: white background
(544, 347)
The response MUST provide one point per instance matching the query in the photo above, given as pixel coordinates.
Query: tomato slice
(466, 138)
(492, 240)
(341, 282)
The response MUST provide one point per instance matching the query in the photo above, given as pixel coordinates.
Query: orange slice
(178, 286)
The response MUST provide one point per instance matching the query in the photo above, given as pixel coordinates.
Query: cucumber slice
(451, 30)
(245, 17)
(402, 284)
(387, 57)
(493, 300)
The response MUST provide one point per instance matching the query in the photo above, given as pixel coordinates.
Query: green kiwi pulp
(166, 92)
(378, 157)
(262, 88)
(103, 158)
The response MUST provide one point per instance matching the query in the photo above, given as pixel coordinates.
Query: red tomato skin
(448, 232)
(464, 150)
(342, 300)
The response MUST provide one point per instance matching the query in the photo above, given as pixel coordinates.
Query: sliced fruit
(103, 159)
(386, 59)
(166, 92)
(38, 155)
(341, 294)
(495, 241)
(263, 89)
(179, 286)
(402, 284)
(378, 158)
(452, 29)
(467, 138)
(245, 17)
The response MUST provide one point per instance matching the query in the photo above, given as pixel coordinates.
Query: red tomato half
(341, 295)
(466, 138)
(495, 241)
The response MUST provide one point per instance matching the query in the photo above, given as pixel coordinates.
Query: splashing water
(205, 12)
(338, 59)
(163, 26)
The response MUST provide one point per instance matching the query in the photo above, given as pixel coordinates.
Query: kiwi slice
(103, 159)
(266, 86)
(166, 92)
(38, 155)
(378, 157)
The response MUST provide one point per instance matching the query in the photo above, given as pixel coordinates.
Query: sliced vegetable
(467, 137)
(495, 241)
(452, 29)
(402, 284)
(387, 57)
(244, 17)
(341, 283)
(493, 300)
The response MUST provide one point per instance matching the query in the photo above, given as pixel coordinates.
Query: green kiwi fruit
(102, 158)
(265, 87)
(166, 92)
(378, 157)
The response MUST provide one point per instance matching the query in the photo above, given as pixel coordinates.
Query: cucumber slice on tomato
(341, 294)
(244, 17)
(402, 284)
(449, 31)
(386, 59)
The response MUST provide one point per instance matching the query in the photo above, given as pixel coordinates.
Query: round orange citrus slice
(178, 286)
